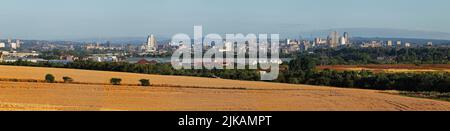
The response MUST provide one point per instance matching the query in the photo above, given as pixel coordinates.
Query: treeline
(352, 56)
(302, 71)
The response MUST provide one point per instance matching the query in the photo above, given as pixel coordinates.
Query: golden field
(188, 94)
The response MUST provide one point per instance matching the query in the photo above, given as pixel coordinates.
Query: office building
(333, 39)
(18, 43)
(429, 44)
(151, 44)
(343, 40)
(13, 45)
(347, 37)
(389, 43)
(407, 44)
(399, 43)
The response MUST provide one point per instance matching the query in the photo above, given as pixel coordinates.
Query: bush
(49, 78)
(115, 81)
(67, 79)
(145, 82)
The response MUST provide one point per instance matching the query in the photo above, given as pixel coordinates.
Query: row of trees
(352, 56)
(51, 79)
(302, 71)
(117, 81)
(439, 82)
(114, 81)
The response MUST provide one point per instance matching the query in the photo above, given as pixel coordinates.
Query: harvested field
(212, 96)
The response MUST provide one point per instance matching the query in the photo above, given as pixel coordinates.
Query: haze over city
(85, 19)
(247, 56)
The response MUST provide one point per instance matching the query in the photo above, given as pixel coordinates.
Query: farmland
(181, 93)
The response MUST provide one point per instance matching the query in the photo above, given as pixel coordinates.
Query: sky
(82, 19)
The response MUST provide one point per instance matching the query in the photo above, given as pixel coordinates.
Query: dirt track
(255, 96)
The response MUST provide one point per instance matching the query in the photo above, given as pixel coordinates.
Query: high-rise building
(347, 38)
(13, 45)
(389, 43)
(18, 43)
(430, 44)
(151, 44)
(399, 43)
(333, 39)
(407, 44)
(108, 44)
(317, 40)
(343, 40)
(305, 45)
(2, 45)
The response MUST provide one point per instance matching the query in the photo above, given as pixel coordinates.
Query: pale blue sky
(76, 19)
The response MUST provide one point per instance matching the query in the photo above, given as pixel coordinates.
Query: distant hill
(115, 40)
(354, 32)
(382, 33)
(130, 40)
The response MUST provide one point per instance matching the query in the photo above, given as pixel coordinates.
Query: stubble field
(177, 93)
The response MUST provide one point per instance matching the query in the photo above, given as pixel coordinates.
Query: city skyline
(59, 20)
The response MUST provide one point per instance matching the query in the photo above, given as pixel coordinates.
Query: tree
(303, 63)
(115, 81)
(49, 78)
(145, 82)
(67, 79)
